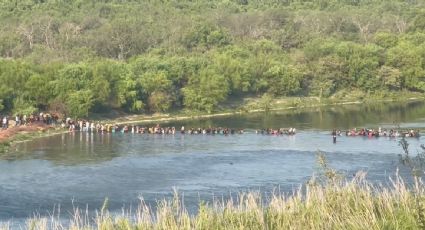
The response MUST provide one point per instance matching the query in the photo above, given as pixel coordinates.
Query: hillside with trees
(83, 56)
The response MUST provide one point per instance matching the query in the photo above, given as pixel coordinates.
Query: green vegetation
(4, 146)
(78, 57)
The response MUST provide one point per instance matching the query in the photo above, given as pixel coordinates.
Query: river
(82, 169)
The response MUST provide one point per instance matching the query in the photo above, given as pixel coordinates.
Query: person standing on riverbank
(5, 122)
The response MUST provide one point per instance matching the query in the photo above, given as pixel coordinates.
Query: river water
(81, 170)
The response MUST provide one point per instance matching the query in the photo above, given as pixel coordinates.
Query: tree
(1, 105)
(72, 78)
(197, 54)
(118, 84)
(386, 40)
(158, 88)
(205, 91)
(360, 64)
(206, 36)
(266, 102)
(232, 64)
(283, 80)
(23, 106)
(79, 103)
(38, 89)
(159, 102)
(128, 95)
(155, 82)
(390, 77)
(407, 58)
(13, 75)
(418, 22)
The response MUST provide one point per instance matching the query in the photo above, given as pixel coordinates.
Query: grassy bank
(353, 204)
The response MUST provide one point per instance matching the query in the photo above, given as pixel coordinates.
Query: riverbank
(354, 204)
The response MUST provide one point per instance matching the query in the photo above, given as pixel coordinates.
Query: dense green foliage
(136, 55)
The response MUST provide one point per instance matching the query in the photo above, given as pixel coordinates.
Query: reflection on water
(86, 168)
(67, 148)
(324, 118)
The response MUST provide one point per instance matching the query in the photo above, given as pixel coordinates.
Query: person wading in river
(334, 136)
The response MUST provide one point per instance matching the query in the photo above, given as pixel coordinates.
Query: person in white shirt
(4, 122)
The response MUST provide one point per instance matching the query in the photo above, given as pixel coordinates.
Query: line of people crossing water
(382, 132)
(87, 126)
(281, 131)
(99, 127)
(364, 132)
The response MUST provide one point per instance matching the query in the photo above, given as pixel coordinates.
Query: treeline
(78, 57)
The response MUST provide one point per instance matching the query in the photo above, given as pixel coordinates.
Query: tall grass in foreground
(325, 202)
(354, 204)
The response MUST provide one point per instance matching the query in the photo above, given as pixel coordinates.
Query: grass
(353, 204)
(4, 146)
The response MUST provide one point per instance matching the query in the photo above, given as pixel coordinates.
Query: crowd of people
(98, 127)
(381, 132)
(90, 126)
(23, 119)
(281, 131)
(87, 126)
